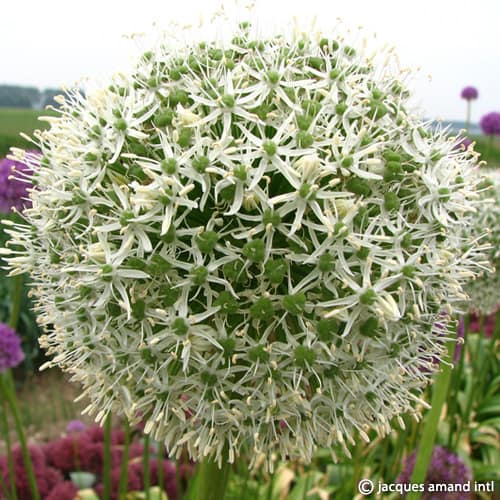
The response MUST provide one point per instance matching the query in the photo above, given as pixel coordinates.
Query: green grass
(14, 121)
(491, 155)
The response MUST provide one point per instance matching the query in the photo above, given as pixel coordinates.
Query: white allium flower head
(247, 242)
(484, 291)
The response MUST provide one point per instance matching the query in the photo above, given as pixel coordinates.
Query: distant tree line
(15, 96)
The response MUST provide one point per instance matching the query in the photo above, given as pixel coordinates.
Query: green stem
(476, 366)
(123, 485)
(16, 299)
(307, 486)
(483, 362)
(106, 495)
(467, 119)
(455, 387)
(212, 480)
(178, 478)
(5, 491)
(159, 461)
(145, 465)
(466, 324)
(397, 452)
(6, 388)
(245, 481)
(383, 459)
(8, 394)
(270, 486)
(10, 461)
(357, 462)
(424, 454)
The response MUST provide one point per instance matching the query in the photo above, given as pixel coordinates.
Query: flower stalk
(467, 119)
(107, 458)
(16, 300)
(10, 463)
(8, 394)
(122, 488)
(146, 466)
(426, 446)
(212, 480)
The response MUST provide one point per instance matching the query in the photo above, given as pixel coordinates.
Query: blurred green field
(14, 121)
(489, 155)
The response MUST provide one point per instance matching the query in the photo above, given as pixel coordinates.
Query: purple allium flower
(63, 491)
(11, 353)
(469, 93)
(134, 481)
(46, 477)
(84, 450)
(445, 467)
(75, 426)
(490, 123)
(13, 190)
(169, 478)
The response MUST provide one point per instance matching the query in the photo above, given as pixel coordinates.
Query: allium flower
(15, 181)
(46, 477)
(169, 477)
(469, 93)
(134, 481)
(244, 242)
(63, 491)
(11, 353)
(445, 468)
(136, 477)
(490, 123)
(75, 426)
(84, 451)
(484, 290)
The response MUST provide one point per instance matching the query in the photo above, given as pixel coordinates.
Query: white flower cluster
(247, 243)
(484, 292)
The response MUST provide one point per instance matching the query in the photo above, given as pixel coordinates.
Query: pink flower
(134, 482)
(63, 491)
(46, 477)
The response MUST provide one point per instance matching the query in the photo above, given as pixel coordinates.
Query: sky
(52, 43)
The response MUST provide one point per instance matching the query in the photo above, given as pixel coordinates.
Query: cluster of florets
(484, 290)
(246, 243)
(469, 93)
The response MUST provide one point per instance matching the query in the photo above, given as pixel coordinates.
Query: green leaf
(490, 407)
(485, 472)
